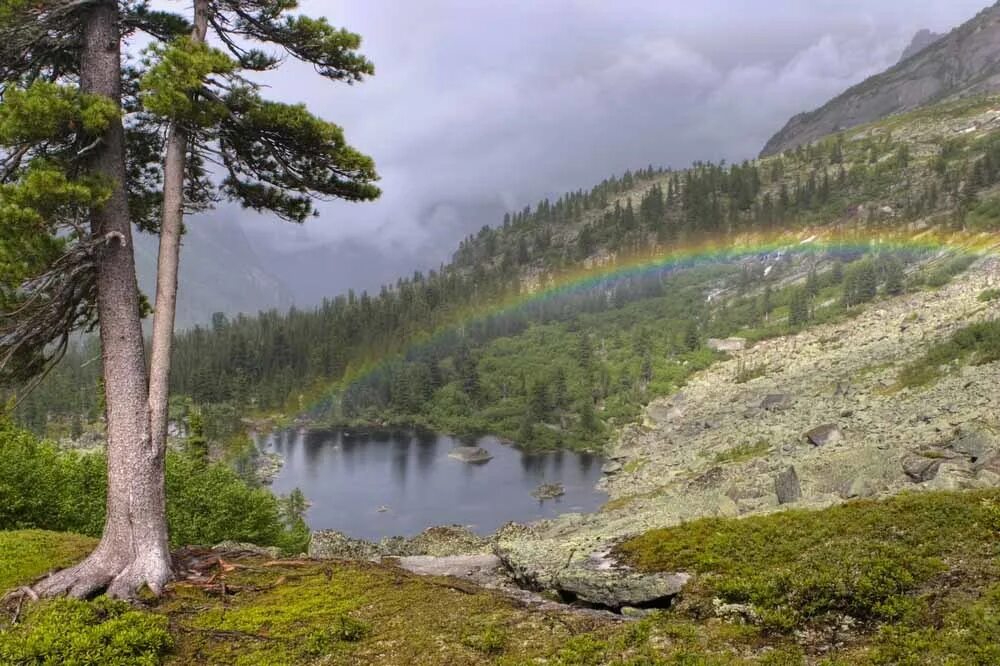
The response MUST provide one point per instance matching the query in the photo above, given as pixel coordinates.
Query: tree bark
(134, 550)
(168, 261)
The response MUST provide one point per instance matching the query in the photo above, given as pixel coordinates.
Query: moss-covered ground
(910, 580)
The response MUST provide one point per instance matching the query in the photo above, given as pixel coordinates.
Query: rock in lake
(787, 487)
(828, 433)
(548, 491)
(470, 454)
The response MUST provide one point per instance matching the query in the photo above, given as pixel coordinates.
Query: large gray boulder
(334, 545)
(601, 581)
(824, 435)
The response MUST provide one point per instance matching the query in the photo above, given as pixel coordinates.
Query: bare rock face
(963, 63)
(787, 487)
(920, 41)
(921, 469)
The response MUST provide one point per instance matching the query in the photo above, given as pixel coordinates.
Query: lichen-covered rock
(334, 545)
(600, 580)
(787, 486)
(921, 469)
(824, 435)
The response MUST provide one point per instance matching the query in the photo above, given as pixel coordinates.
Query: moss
(869, 560)
(988, 295)
(29, 554)
(79, 633)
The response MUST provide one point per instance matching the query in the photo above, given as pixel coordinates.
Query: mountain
(219, 272)
(920, 41)
(964, 62)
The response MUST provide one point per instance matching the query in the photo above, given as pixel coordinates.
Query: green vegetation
(98, 633)
(743, 452)
(910, 580)
(45, 488)
(988, 295)
(976, 344)
(30, 554)
(877, 562)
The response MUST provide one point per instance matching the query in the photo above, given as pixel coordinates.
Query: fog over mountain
(477, 108)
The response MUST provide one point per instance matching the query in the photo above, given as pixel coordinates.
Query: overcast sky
(478, 106)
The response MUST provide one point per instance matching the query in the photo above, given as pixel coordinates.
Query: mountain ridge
(963, 63)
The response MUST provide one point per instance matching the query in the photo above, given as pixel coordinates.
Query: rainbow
(661, 261)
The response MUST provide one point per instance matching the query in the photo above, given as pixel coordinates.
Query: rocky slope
(920, 41)
(963, 63)
(824, 424)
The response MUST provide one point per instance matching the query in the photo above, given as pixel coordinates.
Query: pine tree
(798, 308)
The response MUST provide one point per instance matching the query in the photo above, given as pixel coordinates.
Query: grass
(977, 344)
(743, 452)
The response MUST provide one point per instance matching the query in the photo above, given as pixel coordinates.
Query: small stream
(370, 485)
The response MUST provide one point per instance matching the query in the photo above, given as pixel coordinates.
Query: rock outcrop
(965, 62)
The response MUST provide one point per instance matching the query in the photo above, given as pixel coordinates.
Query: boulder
(481, 569)
(611, 467)
(921, 469)
(447, 540)
(825, 434)
(787, 486)
(978, 446)
(776, 402)
(471, 454)
(334, 545)
(727, 344)
(601, 581)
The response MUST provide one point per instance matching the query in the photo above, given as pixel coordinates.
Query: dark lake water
(371, 486)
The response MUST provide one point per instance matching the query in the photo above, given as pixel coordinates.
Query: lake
(371, 486)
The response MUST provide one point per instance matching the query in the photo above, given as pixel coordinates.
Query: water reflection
(349, 475)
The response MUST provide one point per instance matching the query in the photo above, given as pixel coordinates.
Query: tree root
(101, 573)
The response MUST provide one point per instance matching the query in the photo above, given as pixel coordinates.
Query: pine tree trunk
(171, 225)
(134, 549)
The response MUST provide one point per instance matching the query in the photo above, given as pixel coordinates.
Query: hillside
(965, 62)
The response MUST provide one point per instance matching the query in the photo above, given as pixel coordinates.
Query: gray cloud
(479, 107)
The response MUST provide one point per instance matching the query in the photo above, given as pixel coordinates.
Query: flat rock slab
(602, 581)
(470, 454)
(478, 568)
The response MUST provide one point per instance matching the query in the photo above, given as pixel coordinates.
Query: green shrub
(988, 295)
(79, 633)
(978, 343)
(44, 488)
